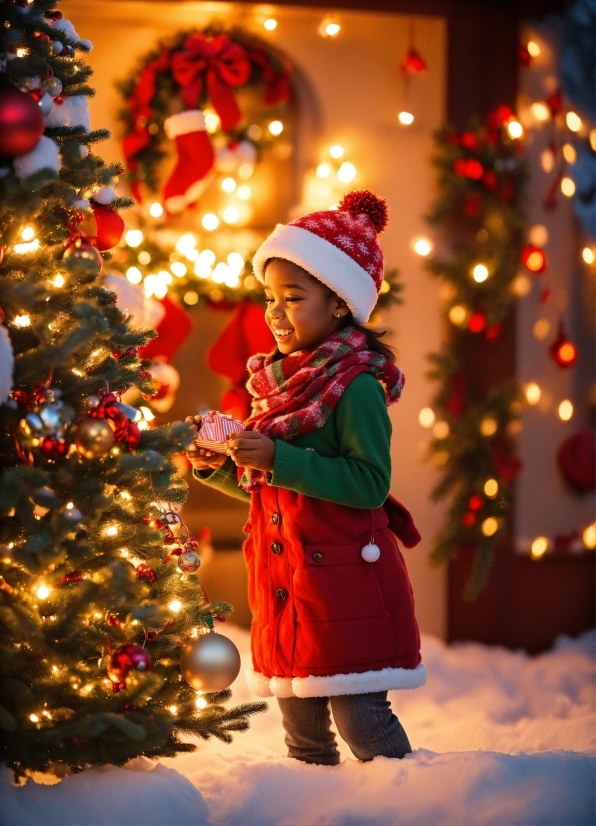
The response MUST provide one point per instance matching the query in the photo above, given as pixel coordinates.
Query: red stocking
(196, 157)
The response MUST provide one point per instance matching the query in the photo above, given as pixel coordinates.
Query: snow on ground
(499, 738)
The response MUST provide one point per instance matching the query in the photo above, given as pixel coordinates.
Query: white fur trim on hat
(329, 264)
(386, 679)
(192, 120)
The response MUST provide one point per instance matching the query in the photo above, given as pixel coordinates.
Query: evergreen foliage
(74, 530)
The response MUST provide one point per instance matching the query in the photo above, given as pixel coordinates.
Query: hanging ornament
(563, 351)
(21, 122)
(166, 381)
(523, 55)
(576, 458)
(93, 438)
(533, 259)
(210, 663)
(83, 250)
(413, 63)
(110, 226)
(108, 407)
(127, 658)
(477, 322)
(6, 362)
(189, 561)
(145, 572)
(45, 426)
(173, 521)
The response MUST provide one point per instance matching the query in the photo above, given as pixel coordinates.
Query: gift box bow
(215, 430)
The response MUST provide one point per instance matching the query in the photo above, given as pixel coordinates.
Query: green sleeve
(360, 476)
(224, 479)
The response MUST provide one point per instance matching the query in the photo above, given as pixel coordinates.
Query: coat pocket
(335, 584)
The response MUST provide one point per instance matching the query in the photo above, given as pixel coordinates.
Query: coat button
(281, 594)
(317, 556)
(275, 518)
(276, 548)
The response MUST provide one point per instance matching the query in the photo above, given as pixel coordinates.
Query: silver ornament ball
(210, 663)
(189, 562)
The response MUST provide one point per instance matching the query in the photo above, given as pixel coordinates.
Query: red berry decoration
(475, 502)
(146, 573)
(563, 351)
(21, 122)
(533, 259)
(110, 226)
(127, 658)
(477, 322)
(53, 448)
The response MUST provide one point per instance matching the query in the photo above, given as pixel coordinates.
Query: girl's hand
(251, 449)
(202, 459)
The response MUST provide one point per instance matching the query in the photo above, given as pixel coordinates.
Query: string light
(521, 285)
(538, 235)
(244, 192)
(175, 605)
(565, 410)
(210, 221)
(156, 210)
(589, 536)
(191, 298)
(405, 118)
(488, 426)
(323, 170)
(43, 592)
(480, 273)
(336, 151)
(346, 172)
(231, 215)
(112, 530)
(211, 121)
(270, 24)
(569, 153)
(173, 709)
(426, 417)
(458, 314)
(329, 27)
(28, 234)
(134, 275)
(144, 258)
(592, 137)
(588, 255)
(547, 160)
(245, 170)
(567, 186)
(58, 281)
(134, 237)
(533, 48)
(514, 129)
(533, 393)
(441, 430)
(541, 329)
(30, 246)
(228, 185)
(540, 111)
(178, 268)
(276, 127)
(491, 488)
(490, 526)
(539, 547)
(34, 718)
(201, 702)
(573, 121)
(21, 321)
(422, 246)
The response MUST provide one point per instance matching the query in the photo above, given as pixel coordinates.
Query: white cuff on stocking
(192, 120)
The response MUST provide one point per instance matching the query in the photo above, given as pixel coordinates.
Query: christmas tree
(100, 603)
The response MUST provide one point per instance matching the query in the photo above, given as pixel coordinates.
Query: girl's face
(300, 313)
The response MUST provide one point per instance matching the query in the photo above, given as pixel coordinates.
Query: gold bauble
(210, 663)
(93, 438)
(84, 251)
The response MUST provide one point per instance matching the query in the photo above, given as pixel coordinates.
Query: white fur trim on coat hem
(325, 261)
(386, 679)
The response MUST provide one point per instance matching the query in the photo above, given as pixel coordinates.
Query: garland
(192, 70)
(480, 196)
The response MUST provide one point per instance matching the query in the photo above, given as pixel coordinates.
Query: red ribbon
(124, 429)
(218, 62)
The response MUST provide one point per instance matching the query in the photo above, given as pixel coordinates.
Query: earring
(338, 315)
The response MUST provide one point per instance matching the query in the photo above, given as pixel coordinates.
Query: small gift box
(215, 430)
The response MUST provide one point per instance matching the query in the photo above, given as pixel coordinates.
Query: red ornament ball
(468, 519)
(523, 55)
(470, 141)
(533, 259)
(475, 502)
(21, 122)
(576, 458)
(146, 573)
(477, 322)
(413, 63)
(468, 168)
(562, 351)
(110, 226)
(53, 448)
(127, 658)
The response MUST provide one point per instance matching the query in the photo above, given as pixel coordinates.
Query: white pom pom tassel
(370, 552)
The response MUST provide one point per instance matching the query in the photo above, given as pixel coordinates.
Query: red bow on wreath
(219, 62)
(124, 429)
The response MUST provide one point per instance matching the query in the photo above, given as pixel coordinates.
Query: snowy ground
(499, 738)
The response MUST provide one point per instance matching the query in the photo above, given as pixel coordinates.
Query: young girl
(333, 611)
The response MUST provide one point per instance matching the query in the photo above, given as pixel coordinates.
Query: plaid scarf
(295, 394)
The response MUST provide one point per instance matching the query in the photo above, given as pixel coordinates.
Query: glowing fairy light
(539, 547)
(228, 185)
(540, 111)
(231, 215)
(134, 275)
(573, 121)
(210, 221)
(346, 172)
(178, 268)
(156, 210)
(244, 192)
(22, 321)
(270, 24)
(491, 488)
(533, 393)
(323, 170)
(405, 118)
(276, 127)
(336, 151)
(514, 129)
(134, 237)
(567, 186)
(43, 592)
(426, 417)
(175, 606)
(28, 234)
(490, 526)
(565, 410)
(458, 314)
(480, 273)
(533, 48)
(422, 246)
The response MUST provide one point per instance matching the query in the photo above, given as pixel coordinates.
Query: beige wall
(351, 93)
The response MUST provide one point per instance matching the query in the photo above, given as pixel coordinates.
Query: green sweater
(346, 461)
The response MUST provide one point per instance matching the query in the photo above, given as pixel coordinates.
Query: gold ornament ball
(93, 438)
(84, 251)
(210, 663)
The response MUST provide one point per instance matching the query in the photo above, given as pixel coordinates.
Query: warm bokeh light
(346, 172)
(588, 255)
(426, 417)
(134, 237)
(491, 488)
(134, 275)
(573, 121)
(569, 153)
(329, 27)
(58, 281)
(276, 127)
(547, 160)
(244, 192)
(533, 393)
(441, 430)
(567, 186)
(228, 184)
(201, 702)
(22, 321)
(191, 298)
(336, 151)
(211, 121)
(488, 426)
(245, 171)
(231, 215)
(422, 246)
(323, 170)
(178, 268)
(156, 210)
(28, 234)
(541, 329)
(540, 111)
(175, 605)
(565, 410)
(538, 235)
(458, 314)
(480, 273)
(144, 258)
(521, 285)
(589, 536)
(514, 129)
(210, 221)
(43, 592)
(539, 547)
(406, 118)
(490, 526)
(533, 48)
(270, 24)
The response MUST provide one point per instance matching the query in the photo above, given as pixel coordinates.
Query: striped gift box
(215, 429)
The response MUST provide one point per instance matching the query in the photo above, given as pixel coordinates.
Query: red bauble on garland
(110, 226)
(562, 350)
(21, 122)
(127, 658)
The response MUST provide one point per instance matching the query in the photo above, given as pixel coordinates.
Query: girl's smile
(301, 312)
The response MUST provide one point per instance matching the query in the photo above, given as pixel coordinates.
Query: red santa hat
(338, 247)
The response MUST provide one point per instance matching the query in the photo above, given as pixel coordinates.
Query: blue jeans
(365, 722)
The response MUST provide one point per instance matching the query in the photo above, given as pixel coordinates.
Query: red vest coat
(325, 621)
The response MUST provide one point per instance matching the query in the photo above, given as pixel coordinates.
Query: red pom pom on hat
(364, 202)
